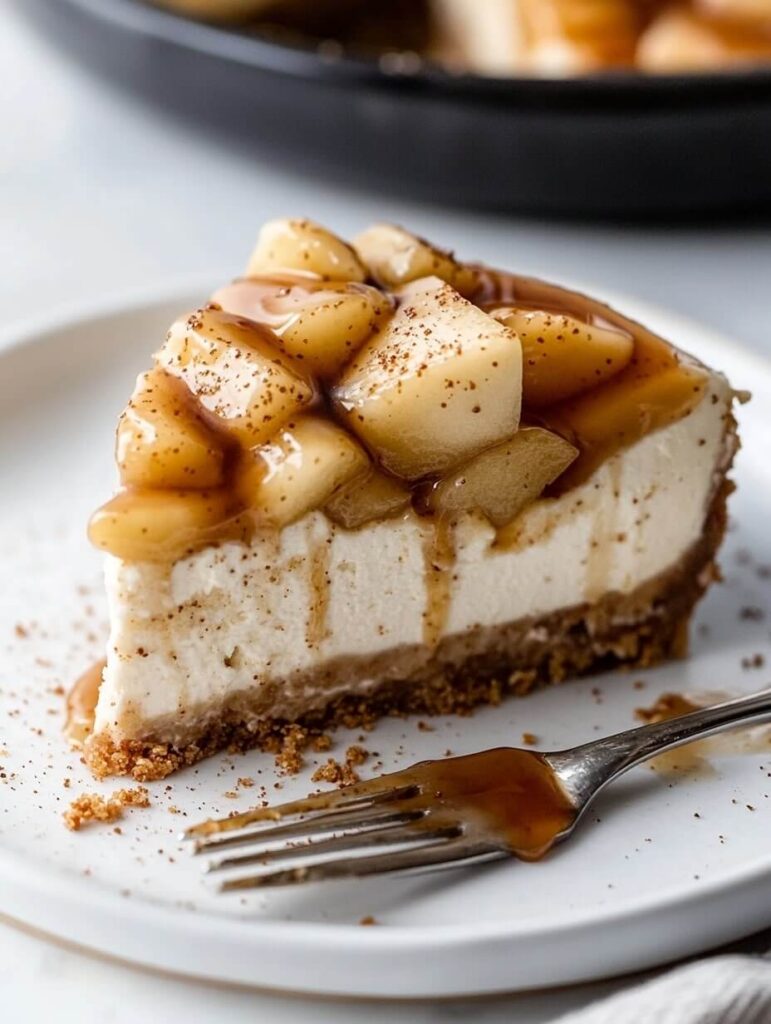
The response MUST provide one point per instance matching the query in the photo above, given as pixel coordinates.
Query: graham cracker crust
(640, 629)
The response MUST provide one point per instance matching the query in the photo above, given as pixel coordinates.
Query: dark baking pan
(621, 145)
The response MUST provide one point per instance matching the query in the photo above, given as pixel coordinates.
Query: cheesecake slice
(372, 479)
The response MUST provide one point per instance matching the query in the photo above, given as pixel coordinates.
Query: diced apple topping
(298, 471)
(656, 389)
(161, 442)
(394, 257)
(319, 324)
(305, 388)
(302, 245)
(440, 382)
(505, 479)
(365, 500)
(562, 356)
(234, 370)
(158, 526)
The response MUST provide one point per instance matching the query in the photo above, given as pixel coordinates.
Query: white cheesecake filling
(233, 617)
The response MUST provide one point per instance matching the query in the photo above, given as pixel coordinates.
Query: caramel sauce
(523, 533)
(439, 562)
(508, 798)
(667, 707)
(320, 587)
(516, 797)
(688, 759)
(81, 704)
(693, 758)
(657, 388)
(274, 300)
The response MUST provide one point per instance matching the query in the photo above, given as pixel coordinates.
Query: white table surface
(100, 194)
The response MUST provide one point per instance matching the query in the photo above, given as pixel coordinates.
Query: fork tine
(348, 797)
(443, 854)
(358, 818)
(392, 835)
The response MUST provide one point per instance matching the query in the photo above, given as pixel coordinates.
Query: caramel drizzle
(81, 704)
(439, 564)
(320, 585)
(516, 797)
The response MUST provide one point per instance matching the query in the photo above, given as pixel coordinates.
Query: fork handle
(585, 770)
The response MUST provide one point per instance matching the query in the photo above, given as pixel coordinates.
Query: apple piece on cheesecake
(561, 356)
(159, 445)
(299, 470)
(503, 480)
(235, 372)
(441, 381)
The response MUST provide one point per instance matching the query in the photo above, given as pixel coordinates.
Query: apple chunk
(394, 257)
(302, 245)
(298, 471)
(234, 370)
(562, 356)
(161, 442)
(319, 324)
(657, 388)
(159, 526)
(369, 498)
(440, 382)
(504, 480)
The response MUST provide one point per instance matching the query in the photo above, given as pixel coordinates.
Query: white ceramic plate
(667, 866)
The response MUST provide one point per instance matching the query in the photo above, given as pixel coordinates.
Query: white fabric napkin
(718, 990)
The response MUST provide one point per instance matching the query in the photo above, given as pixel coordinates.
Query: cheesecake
(372, 479)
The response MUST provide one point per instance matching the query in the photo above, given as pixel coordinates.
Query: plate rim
(65, 889)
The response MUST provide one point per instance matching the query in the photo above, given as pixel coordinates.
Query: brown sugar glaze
(516, 797)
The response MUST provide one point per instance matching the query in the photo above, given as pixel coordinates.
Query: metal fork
(498, 803)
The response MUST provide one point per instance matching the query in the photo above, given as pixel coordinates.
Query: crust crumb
(342, 774)
(332, 771)
(291, 749)
(289, 743)
(356, 755)
(91, 807)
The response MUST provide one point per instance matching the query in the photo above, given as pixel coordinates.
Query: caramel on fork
(463, 810)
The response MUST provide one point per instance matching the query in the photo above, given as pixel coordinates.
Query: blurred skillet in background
(615, 145)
